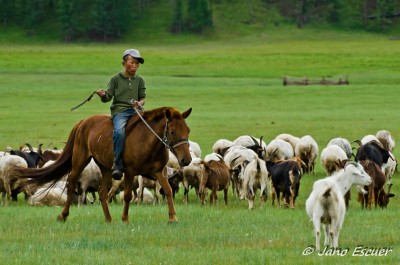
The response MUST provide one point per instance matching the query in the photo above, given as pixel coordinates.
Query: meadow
(235, 88)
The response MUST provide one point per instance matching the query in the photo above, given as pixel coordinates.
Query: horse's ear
(186, 113)
(168, 114)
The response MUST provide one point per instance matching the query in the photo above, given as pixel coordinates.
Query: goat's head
(383, 197)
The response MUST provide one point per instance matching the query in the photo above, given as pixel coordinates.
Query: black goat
(32, 158)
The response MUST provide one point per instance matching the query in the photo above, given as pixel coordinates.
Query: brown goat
(216, 177)
(376, 192)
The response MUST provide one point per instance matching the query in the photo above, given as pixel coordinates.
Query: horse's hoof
(61, 218)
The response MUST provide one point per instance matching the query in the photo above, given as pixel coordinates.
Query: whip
(86, 100)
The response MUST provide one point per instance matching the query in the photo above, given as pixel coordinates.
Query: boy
(123, 87)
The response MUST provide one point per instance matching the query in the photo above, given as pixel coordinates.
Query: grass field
(235, 88)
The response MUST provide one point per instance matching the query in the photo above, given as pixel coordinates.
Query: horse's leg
(105, 184)
(127, 195)
(163, 180)
(72, 181)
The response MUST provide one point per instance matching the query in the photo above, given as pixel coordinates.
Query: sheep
(307, 151)
(279, 149)
(7, 164)
(292, 140)
(221, 146)
(332, 157)
(386, 139)
(344, 144)
(326, 205)
(255, 176)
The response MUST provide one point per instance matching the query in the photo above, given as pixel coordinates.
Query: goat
(255, 176)
(192, 175)
(279, 149)
(32, 158)
(216, 177)
(234, 158)
(376, 190)
(285, 178)
(257, 145)
(194, 149)
(344, 144)
(10, 183)
(149, 184)
(221, 146)
(373, 151)
(332, 157)
(307, 150)
(326, 205)
(385, 137)
(292, 140)
(88, 181)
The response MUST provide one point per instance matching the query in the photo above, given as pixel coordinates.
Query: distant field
(235, 88)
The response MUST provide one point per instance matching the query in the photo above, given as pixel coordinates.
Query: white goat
(279, 149)
(307, 151)
(326, 204)
(54, 195)
(331, 158)
(254, 177)
(194, 149)
(7, 164)
(221, 146)
(89, 180)
(234, 159)
(293, 140)
(342, 143)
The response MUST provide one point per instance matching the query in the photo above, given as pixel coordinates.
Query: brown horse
(145, 153)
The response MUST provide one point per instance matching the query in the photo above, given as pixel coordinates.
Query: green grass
(235, 88)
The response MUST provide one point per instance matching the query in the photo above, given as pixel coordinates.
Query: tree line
(107, 20)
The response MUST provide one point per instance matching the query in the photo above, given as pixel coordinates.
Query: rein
(166, 138)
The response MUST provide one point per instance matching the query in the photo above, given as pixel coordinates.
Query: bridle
(166, 140)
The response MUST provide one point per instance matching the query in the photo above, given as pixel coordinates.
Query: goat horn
(357, 141)
(255, 141)
(29, 146)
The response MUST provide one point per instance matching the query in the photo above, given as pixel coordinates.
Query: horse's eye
(172, 132)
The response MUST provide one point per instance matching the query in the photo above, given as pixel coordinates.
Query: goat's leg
(317, 225)
(328, 235)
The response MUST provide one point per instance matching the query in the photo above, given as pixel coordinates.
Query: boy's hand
(101, 92)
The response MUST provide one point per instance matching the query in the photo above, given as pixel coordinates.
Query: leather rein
(166, 140)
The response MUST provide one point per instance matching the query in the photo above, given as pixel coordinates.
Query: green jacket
(122, 89)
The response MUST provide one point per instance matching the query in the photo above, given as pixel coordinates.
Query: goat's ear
(390, 195)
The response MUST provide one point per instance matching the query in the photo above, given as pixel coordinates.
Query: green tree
(177, 23)
(199, 16)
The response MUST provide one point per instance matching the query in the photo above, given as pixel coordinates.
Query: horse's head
(177, 134)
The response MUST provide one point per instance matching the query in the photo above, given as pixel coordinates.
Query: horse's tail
(32, 178)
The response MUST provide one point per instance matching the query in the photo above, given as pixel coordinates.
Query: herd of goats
(246, 164)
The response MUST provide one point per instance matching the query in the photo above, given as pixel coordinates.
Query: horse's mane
(159, 113)
(153, 115)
